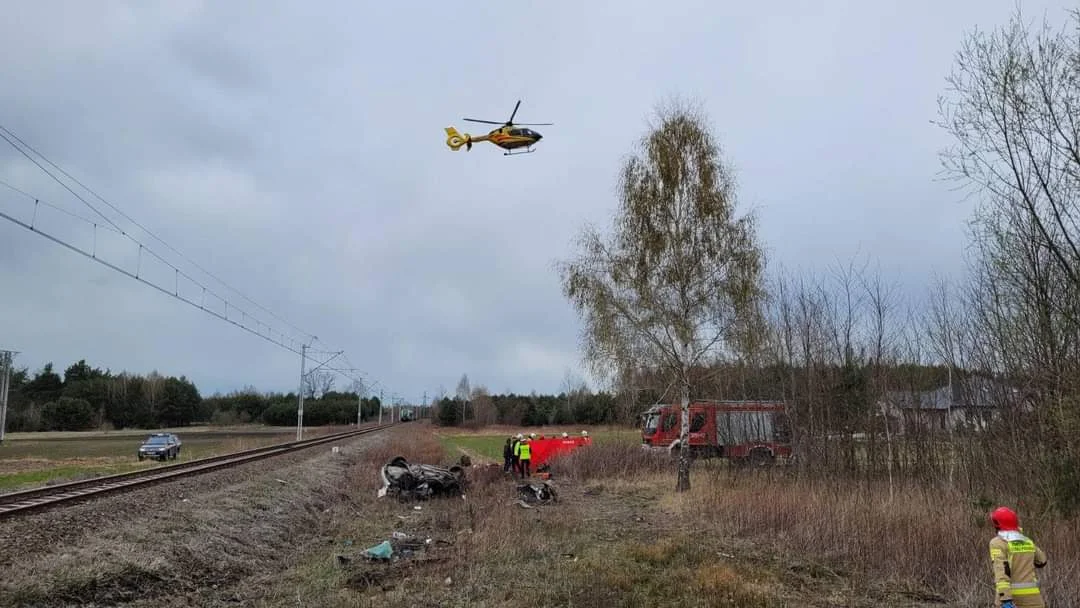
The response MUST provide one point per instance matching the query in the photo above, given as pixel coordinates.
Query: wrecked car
(420, 481)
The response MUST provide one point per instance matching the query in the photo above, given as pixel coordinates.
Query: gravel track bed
(24, 536)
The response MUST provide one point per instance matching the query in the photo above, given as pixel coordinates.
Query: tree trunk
(683, 483)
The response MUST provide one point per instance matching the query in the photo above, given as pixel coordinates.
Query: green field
(33, 459)
(488, 443)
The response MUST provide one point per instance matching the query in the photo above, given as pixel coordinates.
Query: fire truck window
(669, 422)
(734, 428)
(697, 422)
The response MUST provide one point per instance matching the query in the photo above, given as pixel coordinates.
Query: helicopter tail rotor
(455, 140)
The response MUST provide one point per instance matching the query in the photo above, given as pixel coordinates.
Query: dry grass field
(293, 535)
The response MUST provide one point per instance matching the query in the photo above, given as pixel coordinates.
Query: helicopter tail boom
(455, 140)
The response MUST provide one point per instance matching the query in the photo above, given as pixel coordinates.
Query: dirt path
(476, 457)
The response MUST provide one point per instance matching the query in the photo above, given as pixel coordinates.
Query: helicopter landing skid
(527, 151)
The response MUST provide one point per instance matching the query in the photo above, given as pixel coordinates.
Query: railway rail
(37, 499)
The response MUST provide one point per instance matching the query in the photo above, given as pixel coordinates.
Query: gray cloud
(298, 154)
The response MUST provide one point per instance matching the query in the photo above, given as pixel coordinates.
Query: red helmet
(1005, 518)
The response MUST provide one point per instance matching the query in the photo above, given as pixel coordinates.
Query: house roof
(967, 393)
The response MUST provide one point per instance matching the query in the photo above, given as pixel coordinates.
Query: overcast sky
(296, 151)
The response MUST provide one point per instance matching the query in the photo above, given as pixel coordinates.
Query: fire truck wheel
(760, 458)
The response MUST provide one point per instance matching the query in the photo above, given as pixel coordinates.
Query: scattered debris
(383, 550)
(420, 481)
(391, 560)
(534, 493)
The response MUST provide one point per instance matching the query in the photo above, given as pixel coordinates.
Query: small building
(969, 404)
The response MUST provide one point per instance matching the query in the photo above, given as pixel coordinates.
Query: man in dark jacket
(508, 454)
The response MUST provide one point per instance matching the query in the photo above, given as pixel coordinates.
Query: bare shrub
(925, 539)
(610, 460)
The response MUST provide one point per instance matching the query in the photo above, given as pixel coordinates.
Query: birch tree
(676, 284)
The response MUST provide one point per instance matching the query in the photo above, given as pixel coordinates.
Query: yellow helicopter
(508, 137)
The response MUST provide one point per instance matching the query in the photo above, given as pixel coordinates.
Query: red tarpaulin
(543, 449)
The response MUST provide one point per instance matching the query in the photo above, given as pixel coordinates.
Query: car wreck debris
(537, 493)
(420, 481)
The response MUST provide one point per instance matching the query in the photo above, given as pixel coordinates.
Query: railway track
(37, 499)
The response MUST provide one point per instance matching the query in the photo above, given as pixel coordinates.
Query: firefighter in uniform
(1013, 559)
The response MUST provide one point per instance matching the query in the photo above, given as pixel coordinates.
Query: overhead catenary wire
(289, 343)
(130, 219)
(56, 207)
(269, 338)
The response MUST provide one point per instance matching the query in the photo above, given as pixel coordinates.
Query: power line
(57, 180)
(176, 295)
(270, 331)
(52, 206)
(130, 219)
(123, 271)
(291, 343)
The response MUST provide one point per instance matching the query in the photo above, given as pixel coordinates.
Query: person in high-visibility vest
(524, 456)
(1014, 558)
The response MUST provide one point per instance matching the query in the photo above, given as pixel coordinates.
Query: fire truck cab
(755, 432)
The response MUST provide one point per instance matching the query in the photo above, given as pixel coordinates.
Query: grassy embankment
(620, 536)
(32, 459)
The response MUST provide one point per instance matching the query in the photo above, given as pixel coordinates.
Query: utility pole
(6, 358)
(380, 406)
(300, 404)
(424, 404)
(359, 402)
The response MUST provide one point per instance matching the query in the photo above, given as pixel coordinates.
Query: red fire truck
(757, 432)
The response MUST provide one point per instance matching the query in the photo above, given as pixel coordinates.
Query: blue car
(161, 446)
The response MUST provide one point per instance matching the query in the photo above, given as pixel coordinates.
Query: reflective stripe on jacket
(1013, 560)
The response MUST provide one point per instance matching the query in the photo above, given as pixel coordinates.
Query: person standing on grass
(515, 464)
(524, 457)
(508, 454)
(1014, 558)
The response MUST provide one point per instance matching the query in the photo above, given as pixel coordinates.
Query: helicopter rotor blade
(534, 124)
(514, 113)
(488, 122)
